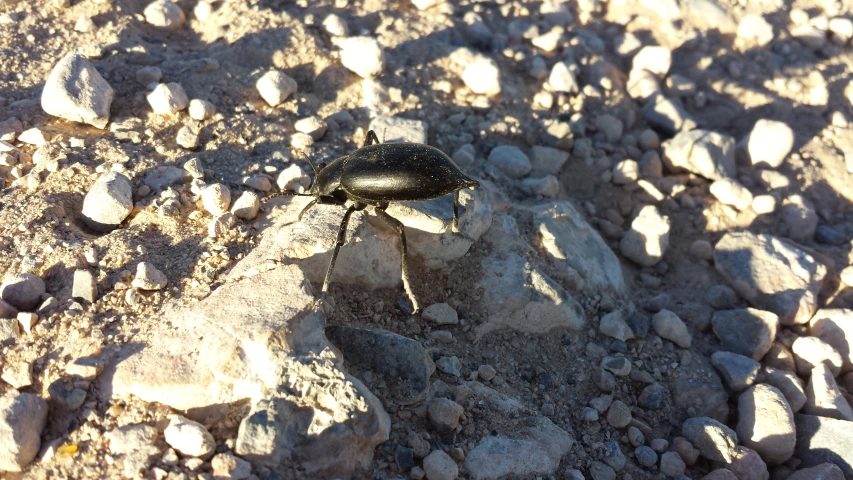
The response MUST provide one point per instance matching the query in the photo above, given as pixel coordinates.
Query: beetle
(380, 173)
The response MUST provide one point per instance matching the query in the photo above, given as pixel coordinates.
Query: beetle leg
(370, 139)
(396, 225)
(310, 204)
(456, 211)
(342, 232)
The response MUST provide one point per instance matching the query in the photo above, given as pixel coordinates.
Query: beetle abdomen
(394, 172)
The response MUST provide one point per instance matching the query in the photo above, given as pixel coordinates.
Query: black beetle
(379, 173)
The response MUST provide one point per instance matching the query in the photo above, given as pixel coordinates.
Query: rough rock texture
(714, 440)
(401, 361)
(771, 274)
(521, 297)
(23, 416)
(76, 91)
(574, 244)
(825, 440)
(235, 345)
(703, 152)
(108, 202)
(823, 396)
(748, 331)
(766, 423)
(647, 240)
(531, 450)
(835, 327)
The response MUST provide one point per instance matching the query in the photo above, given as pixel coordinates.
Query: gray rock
(148, 277)
(703, 152)
(650, 165)
(574, 244)
(669, 326)
(464, 156)
(666, 114)
(401, 362)
(444, 414)
(396, 129)
(84, 286)
(823, 397)
(787, 283)
(746, 463)
(614, 326)
(799, 218)
(835, 327)
(720, 474)
(519, 296)
(766, 424)
(370, 259)
(824, 440)
(738, 371)
(824, 471)
(22, 291)
(652, 396)
(159, 179)
(829, 236)
(148, 74)
(714, 440)
(75, 91)
(654, 59)
(648, 239)
(531, 450)
(721, 297)
(547, 186)
(482, 76)
(780, 357)
(227, 465)
(600, 471)
(547, 159)
(646, 456)
(23, 416)
(788, 383)
(614, 456)
(247, 206)
(812, 351)
(671, 464)
(619, 415)
(619, 366)
(657, 303)
(108, 202)
(510, 160)
(449, 364)
(236, 344)
(441, 314)
(746, 331)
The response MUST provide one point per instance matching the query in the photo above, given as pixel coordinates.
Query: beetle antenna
(313, 167)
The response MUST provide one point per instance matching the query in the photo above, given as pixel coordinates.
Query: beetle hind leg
(342, 232)
(398, 227)
(370, 139)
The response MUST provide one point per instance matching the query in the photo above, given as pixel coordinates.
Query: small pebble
(364, 56)
(168, 98)
(275, 87)
(164, 14)
(246, 206)
(216, 199)
(148, 277)
(201, 109)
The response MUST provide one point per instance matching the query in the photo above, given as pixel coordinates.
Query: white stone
(483, 76)
(562, 78)
(769, 143)
(23, 416)
(148, 75)
(510, 160)
(246, 206)
(189, 438)
(398, 129)
(626, 171)
(441, 314)
(547, 186)
(75, 91)
(148, 277)
(764, 204)
(669, 326)
(165, 14)
(730, 192)
(314, 126)
(275, 87)
(168, 98)
(108, 202)
(294, 179)
(648, 238)
(216, 198)
(201, 109)
(656, 60)
(335, 26)
(755, 31)
(364, 56)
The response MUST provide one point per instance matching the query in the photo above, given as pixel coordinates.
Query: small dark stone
(545, 380)
(639, 323)
(405, 457)
(829, 236)
(652, 397)
(617, 346)
(657, 303)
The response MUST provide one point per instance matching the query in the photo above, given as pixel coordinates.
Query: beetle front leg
(455, 227)
(342, 232)
(398, 226)
(370, 139)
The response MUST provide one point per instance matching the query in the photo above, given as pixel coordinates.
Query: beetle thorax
(328, 179)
